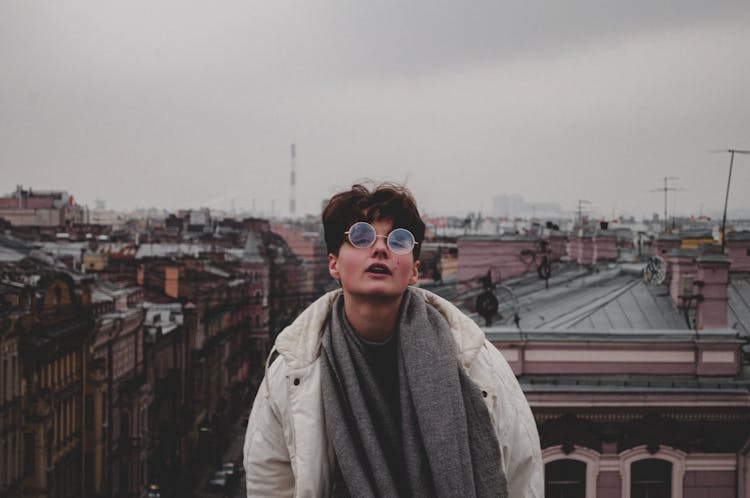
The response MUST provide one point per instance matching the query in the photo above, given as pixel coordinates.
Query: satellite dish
(498, 306)
(655, 271)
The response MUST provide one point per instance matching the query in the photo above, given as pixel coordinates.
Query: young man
(382, 389)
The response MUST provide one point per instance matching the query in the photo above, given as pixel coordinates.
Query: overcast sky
(185, 104)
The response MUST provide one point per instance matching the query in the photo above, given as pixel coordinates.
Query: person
(384, 389)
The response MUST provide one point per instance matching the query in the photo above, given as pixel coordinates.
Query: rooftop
(606, 298)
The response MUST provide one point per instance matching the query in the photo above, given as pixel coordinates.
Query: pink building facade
(605, 245)
(558, 242)
(505, 257)
(613, 407)
(41, 208)
(665, 242)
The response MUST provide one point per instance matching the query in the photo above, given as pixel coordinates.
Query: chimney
(140, 275)
(172, 281)
(574, 246)
(605, 246)
(665, 242)
(556, 241)
(586, 248)
(682, 268)
(738, 250)
(713, 276)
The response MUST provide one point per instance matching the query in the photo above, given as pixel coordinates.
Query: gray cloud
(184, 104)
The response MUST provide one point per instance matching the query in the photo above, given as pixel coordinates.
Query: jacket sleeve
(518, 434)
(268, 468)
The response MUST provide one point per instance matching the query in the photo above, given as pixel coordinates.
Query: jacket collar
(299, 343)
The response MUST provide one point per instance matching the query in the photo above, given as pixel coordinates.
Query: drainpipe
(84, 362)
(743, 471)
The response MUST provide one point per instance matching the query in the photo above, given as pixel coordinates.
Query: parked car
(153, 491)
(219, 479)
(231, 468)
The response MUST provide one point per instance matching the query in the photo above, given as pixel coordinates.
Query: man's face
(373, 272)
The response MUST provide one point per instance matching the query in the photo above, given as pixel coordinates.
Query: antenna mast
(666, 189)
(732, 152)
(292, 198)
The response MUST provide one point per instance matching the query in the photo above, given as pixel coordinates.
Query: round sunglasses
(399, 241)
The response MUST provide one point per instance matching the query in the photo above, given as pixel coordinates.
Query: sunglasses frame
(386, 237)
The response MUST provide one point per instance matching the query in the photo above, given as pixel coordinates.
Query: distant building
(308, 245)
(41, 208)
(47, 420)
(515, 206)
(120, 391)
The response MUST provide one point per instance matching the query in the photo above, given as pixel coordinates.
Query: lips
(378, 269)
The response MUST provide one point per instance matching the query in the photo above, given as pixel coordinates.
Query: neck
(372, 320)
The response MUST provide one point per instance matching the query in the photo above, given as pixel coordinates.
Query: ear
(333, 266)
(414, 273)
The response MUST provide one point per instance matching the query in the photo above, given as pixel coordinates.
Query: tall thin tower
(292, 199)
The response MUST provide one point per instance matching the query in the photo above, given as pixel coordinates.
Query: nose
(380, 247)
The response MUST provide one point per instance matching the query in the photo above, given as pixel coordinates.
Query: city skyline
(179, 106)
(509, 206)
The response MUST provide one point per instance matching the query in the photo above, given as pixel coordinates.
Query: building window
(651, 478)
(257, 297)
(89, 412)
(14, 464)
(29, 454)
(4, 386)
(14, 387)
(124, 477)
(124, 425)
(4, 463)
(565, 479)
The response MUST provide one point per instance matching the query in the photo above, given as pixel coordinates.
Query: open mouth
(378, 269)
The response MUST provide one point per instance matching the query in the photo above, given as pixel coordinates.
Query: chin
(379, 294)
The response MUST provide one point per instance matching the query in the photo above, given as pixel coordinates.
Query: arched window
(651, 478)
(645, 473)
(565, 478)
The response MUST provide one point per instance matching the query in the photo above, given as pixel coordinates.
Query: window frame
(586, 455)
(675, 457)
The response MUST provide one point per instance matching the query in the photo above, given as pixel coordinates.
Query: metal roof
(608, 298)
(614, 300)
(163, 249)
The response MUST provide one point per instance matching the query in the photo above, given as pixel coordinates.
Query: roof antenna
(666, 189)
(292, 180)
(726, 198)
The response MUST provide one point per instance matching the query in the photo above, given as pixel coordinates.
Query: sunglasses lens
(362, 234)
(401, 241)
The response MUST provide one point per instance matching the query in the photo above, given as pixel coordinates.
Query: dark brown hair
(387, 201)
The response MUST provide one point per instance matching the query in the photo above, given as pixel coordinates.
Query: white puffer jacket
(286, 450)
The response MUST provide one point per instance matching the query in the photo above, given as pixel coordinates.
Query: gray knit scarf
(444, 432)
